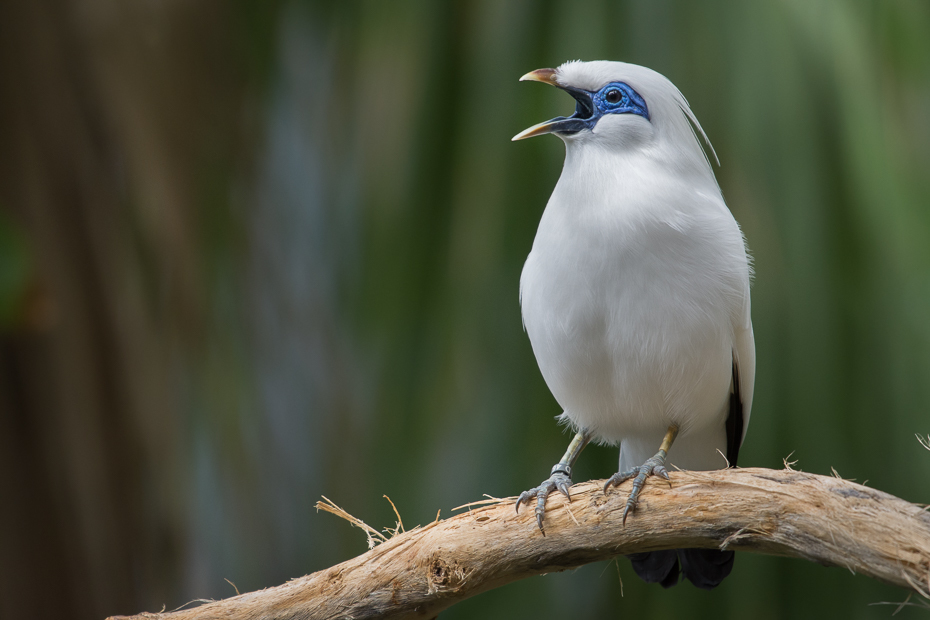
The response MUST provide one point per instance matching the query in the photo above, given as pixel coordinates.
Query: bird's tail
(705, 568)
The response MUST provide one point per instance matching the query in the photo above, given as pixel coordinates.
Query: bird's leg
(652, 467)
(560, 479)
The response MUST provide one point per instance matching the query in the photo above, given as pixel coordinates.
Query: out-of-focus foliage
(14, 273)
(255, 253)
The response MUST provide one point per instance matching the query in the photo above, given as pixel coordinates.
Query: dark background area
(252, 253)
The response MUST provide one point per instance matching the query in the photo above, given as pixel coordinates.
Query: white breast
(631, 297)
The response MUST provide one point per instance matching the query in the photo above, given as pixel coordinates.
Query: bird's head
(620, 106)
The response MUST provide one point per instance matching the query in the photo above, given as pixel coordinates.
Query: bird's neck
(592, 170)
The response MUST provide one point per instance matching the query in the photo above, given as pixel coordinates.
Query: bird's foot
(654, 466)
(560, 479)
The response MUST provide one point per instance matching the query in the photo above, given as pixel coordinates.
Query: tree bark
(419, 573)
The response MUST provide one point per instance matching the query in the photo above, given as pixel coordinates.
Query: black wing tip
(735, 421)
(657, 567)
(705, 568)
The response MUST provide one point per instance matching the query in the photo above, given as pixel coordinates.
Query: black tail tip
(705, 568)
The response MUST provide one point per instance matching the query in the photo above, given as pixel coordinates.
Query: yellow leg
(670, 436)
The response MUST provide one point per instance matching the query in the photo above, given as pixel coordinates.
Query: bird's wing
(744, 373)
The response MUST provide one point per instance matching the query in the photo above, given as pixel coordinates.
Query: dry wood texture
(419, 573)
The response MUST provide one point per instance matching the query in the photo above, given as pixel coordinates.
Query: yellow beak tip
(532, 132)
(546, 76)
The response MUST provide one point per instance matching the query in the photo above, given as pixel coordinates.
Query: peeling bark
(419, 573)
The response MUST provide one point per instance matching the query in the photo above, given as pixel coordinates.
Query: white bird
(635, 295)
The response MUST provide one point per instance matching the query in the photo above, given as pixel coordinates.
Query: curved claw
(652, 467)
(663, 473)
(619, 478)
(631, 501)
(557, 481)
(526, 496)
(544, 489)
(630, 506)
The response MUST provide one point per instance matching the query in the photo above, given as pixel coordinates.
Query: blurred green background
(252, 253)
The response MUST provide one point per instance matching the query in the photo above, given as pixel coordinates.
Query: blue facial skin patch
(620, 98)
(590, 106)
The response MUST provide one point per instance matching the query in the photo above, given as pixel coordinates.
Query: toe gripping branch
(654, 466)
(559, 479)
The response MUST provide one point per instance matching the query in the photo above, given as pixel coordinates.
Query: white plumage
(635, 295)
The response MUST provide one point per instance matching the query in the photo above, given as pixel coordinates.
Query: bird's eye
(613, 96)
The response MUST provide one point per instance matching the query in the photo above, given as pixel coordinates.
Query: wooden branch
(419, 573)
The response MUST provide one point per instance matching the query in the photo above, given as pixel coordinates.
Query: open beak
(584, 108)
